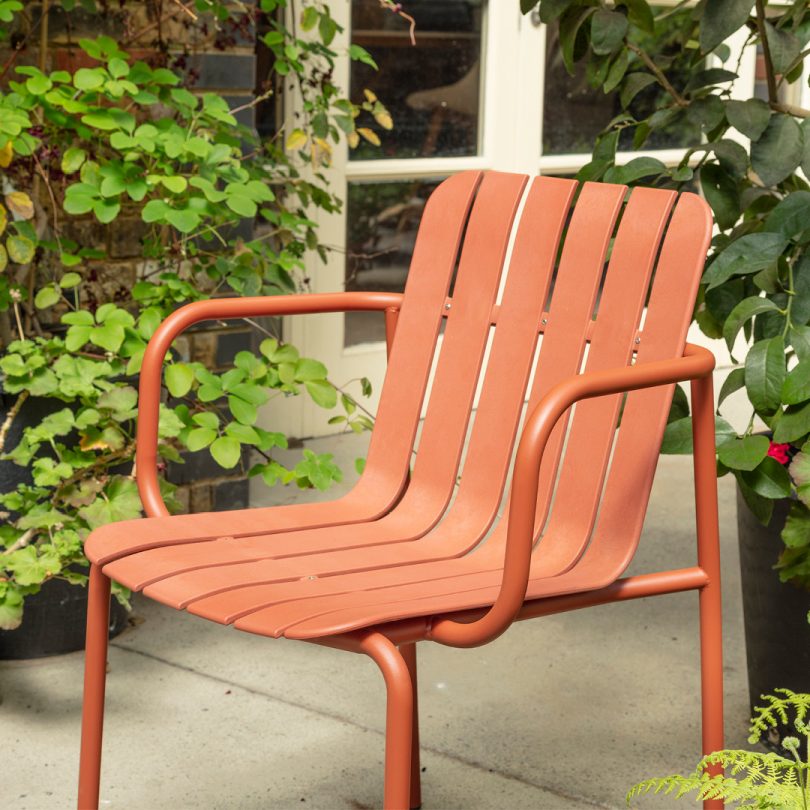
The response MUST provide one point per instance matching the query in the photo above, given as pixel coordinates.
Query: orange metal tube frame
(696, 363)
(223, 309)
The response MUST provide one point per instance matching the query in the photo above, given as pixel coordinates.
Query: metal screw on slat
(638, 340)
(544, 321)
(447, 306)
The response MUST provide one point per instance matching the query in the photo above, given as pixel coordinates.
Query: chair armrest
(696, 363)
(219, 308)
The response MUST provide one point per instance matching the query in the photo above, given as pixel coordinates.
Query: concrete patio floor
(563, 712)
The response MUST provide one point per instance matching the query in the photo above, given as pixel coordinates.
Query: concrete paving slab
(563, 712)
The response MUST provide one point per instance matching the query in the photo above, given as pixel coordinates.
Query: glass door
(484, 87)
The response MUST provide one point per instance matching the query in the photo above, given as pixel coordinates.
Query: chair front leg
(95, 675)
(408, 652)
(398, 719)
(711, 624)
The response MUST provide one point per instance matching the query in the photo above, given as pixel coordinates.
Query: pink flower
(779, 452)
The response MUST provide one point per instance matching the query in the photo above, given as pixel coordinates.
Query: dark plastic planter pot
(54, 623)
(777, 633)
(54, 618)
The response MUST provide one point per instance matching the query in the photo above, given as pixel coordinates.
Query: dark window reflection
(574, 113)
(432, 88)
(382, 222)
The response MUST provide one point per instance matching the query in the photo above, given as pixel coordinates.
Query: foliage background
(124, 133)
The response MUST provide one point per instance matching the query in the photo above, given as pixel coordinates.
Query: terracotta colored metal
(409, 556)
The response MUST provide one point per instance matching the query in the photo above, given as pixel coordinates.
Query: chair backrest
(600, 277)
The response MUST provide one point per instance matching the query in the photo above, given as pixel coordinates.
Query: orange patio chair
(408, 557)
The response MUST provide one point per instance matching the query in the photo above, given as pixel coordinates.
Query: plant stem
(10, 416)
(658, 73)
(21, 542)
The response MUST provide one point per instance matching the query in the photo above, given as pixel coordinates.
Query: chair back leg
(95, 675)
(398, 718)
(711, 624)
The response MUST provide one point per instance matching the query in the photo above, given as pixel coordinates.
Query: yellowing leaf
(20, 204)
(296, 139)
(20, 249)
(369, 134)
(353, 140)
(6, 153)
(383, 118)
(370, 95)
(3, 218)
(3, 259)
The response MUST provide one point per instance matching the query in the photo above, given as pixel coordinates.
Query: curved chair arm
(224, 309)
(697, 362)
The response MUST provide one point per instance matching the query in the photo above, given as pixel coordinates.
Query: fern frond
(776, 711)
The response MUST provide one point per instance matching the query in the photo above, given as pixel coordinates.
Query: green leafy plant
(118, 141)
(752, 779)
(750, 158)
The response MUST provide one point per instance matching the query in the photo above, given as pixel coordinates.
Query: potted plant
(114, 143)
(750, 157)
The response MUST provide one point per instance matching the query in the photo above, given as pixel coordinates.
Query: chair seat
(259, 584)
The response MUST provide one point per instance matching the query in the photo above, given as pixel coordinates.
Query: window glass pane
(431, 89)
(382, 220)
(574, 113)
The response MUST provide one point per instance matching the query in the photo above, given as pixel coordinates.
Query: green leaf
(746, 309)
(226, 452)
(748, 254)
(796, 387)
(322, 393)
(11, 604)
(206, 419)
(118, 68)
(72, 160)
(242, 433)
(792, 424)
(722, 194)
(358, 54)
(20, 249)
(607, 31)
(306, 369)
(69, 280)
(751, 117)
(800, 473)
(745, 453)
(175, 183)
(106, 210)
(47, 297)
(109, 336)
(634, 83)
(155, 210)
(733, 158)
(634, 170)
(779, 151)
(309, 18)
(796, 532)
(199, 438)
(765, 374)
(721, 18)
(791, 217)
(179, 379)
(184, 220)
(241, 205)
(784, 46)
(243, 412)
(88, 78)
(733, 382)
